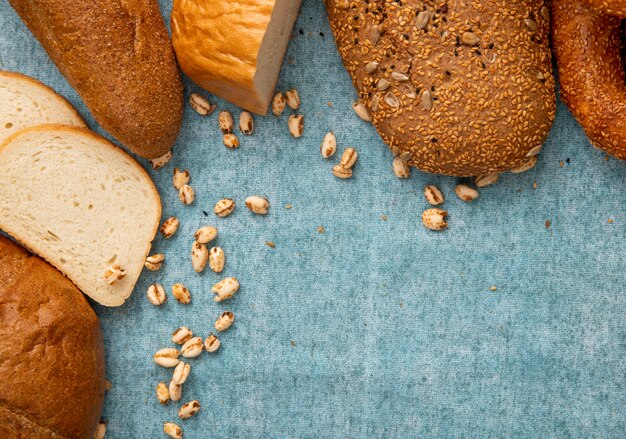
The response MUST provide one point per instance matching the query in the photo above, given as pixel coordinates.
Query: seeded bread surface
(587, 44)
(611, 7)
(51, 351)
(119, 58)
(470, 87)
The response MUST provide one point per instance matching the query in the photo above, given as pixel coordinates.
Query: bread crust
(118, 57)
(611, 7)
(52, 367)
(36, 83)
(23, 240)
(465, 109)
(587, 45)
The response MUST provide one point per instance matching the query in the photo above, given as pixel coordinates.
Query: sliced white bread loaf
(81, 203)
(26, 102)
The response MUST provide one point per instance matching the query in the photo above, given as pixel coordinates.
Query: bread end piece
(234, 50)
(81, 203)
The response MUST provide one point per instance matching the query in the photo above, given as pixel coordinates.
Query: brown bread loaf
(51, 352)
(456, 87)
(119, 58)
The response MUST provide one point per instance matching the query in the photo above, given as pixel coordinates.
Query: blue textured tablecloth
(375, 328)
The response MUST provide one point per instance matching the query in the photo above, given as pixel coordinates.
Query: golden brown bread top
(52, 368)
(480, 90)
(119, 58)
(612, 7)
(217, 44)
(591, 72)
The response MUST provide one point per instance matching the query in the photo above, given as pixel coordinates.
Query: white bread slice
(81, 203)
(234, 49)
(26, 102)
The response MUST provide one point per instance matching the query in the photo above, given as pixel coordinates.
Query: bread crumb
(493, 288)
(534, 185)
(107, 385)
(548, 224)
(561, 163)
(270, 244)
(384, 217)
(610, 221)
(292, 343)
(288, 206)
(329, 103)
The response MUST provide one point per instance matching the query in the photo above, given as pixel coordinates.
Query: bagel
(611, 7)
(587, 45)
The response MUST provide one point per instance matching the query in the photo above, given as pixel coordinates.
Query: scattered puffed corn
(231, 141)
(329, 145)
(401, 169)
(199, 256)
(181, 293)
(176, 391)
(180, 178)
(189, 409)
(172, 430)
(465, 192)
(192, 347)
(217, 258)
(169, 227)
(186, 194)
(212, 343)
(181, 373)
(293, 99)
(225, 321)
(349, 158)
(156, 294)
(205, 234)
(278, 104)
(226, 122)
(341, 172)
(155, 262)
(166, 357)
(225, 289)
(162, 393)
(246, 123)
(224, 207)
(159, 162)
(486, 180)
(296, 125)
(201, 105)
(433, 195)
(182, 335)
(435, 219)
(258, 205)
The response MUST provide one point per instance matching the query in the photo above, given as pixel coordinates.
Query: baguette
(119, 58)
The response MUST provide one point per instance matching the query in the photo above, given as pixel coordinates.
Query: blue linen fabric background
(377, 327)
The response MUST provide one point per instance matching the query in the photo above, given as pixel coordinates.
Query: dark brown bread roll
(587, 44)
(51, 352)
(119, 58)
(457, 87)
(611, 7)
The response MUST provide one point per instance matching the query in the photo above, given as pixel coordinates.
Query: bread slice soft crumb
(81, 203)
(26, 102)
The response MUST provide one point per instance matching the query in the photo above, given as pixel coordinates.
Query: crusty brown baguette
(118, 56)
(51, 352)
(587, 45)
(460, 87)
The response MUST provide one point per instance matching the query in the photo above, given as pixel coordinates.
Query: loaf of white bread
(234, 49)
(26, 102)
(81, 203)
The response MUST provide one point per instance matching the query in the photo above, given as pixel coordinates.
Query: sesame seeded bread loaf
(234, 49)
(51, 352)
(455, 87)
(611, 7)
(26, 102)
(82, 204)
(119, 58)
(587, 45)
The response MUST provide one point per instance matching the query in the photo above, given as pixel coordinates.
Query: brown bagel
(611, 7)
(587, 44)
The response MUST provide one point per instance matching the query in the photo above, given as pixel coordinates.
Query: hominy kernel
(278, 104)
(189, 409)
(212, 343)
(166, 357)
(186, 194)
(201, 105)
(246, 123)
(181, 293)
(199, 256)
(217, 258)
(169, 227)
(182, 335)
(173, 430)
(225, 321)
(225, 289)
(180, 178)
(435, 219)
(162, 393)
(258, 205)
(224, 207)
(192, 347)
(341, 172)
(181, 373)
(231, 141)
(154, 262)
(433, 195)
(296, 125)
(329, 145)
(156, 294)
(205, 234)
(176, 391)
(349, 158)
(226, 122)
(465, 192)
(293, 99)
